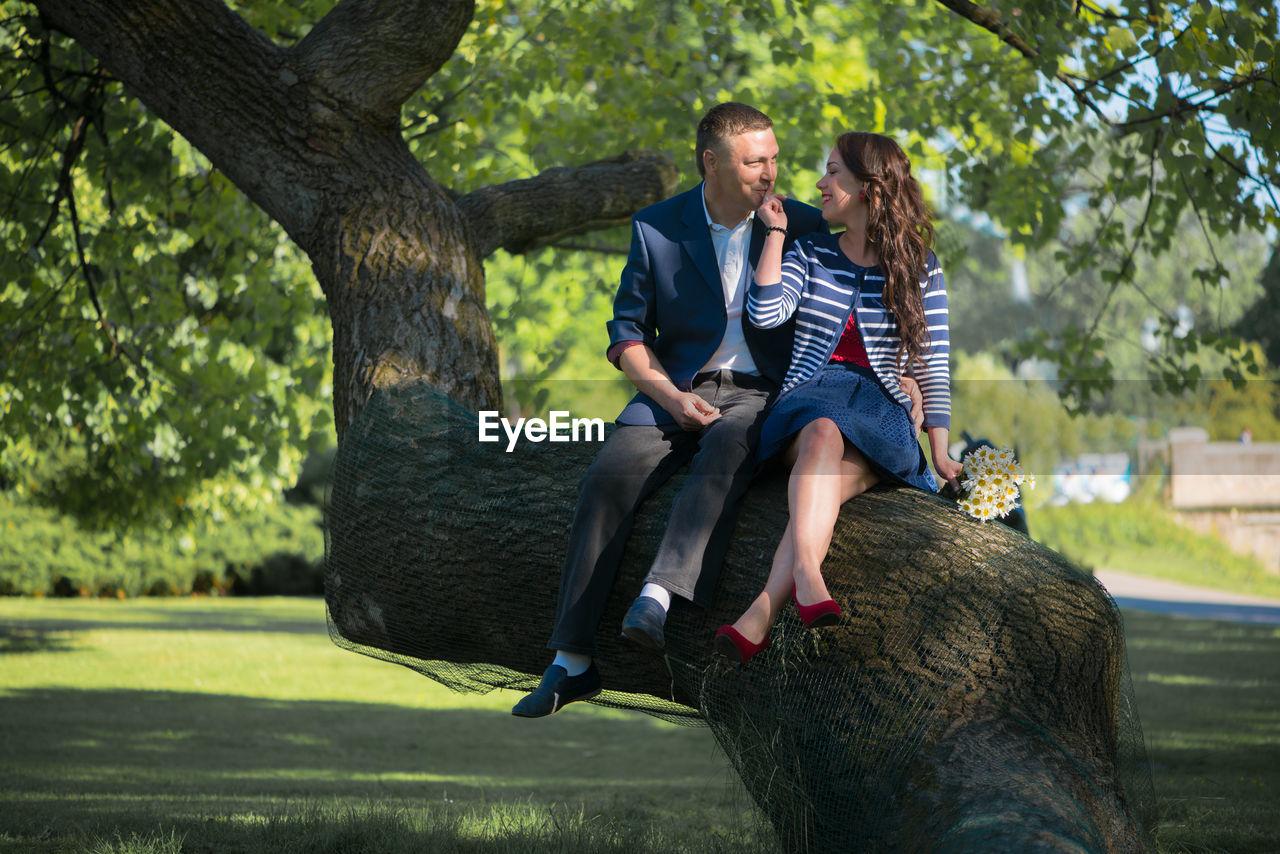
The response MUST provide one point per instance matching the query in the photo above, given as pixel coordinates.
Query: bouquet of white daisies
(992, 483)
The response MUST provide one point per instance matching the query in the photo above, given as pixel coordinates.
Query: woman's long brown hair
(899, 226)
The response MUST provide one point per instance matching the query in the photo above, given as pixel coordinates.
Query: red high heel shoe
(732, 645)
(819, 614)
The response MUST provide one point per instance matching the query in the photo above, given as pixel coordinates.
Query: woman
(869, 303)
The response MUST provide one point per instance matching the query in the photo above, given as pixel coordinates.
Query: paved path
(1165, 597)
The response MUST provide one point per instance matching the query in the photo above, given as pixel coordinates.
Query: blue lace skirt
(867, 415)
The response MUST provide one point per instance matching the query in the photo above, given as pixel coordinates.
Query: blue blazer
(671, 297)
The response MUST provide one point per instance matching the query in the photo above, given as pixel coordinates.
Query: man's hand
(912, 388)
(647, 374)
(690, 411)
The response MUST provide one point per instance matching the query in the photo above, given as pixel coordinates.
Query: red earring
(862, 195)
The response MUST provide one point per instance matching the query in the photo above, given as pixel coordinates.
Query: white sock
(657, 593)
(574, 663)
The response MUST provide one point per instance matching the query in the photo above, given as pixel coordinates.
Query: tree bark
(522, 215)
(973, 699)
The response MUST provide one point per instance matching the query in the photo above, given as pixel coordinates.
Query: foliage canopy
(161, 339)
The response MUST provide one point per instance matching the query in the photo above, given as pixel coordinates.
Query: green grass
(236, 725)
(197, 725)
(1142, 537)
(1208, 693)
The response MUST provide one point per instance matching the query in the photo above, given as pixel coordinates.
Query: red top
(850, 348)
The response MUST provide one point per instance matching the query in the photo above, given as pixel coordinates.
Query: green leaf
(1121, 40)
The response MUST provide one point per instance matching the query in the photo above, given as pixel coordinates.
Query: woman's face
(840, 189)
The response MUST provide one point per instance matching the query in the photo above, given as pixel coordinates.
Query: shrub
(42, 553)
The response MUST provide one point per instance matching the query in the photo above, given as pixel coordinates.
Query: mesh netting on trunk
(976, 697)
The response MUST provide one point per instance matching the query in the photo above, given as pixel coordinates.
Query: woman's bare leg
(831, 471)
(828, 472)
(757, 620)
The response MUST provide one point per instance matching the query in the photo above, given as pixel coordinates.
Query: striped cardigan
(821, 286)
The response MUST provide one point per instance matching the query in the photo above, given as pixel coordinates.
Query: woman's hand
(912, 389)
(947, 468)
(771, 212)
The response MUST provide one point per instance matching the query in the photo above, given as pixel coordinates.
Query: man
(703, 376)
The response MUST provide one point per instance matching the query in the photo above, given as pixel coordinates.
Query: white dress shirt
(731, 246)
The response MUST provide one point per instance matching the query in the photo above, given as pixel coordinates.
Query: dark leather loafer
(643, 623)
(556, 690)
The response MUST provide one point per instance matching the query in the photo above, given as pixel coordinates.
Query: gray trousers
(636, 460)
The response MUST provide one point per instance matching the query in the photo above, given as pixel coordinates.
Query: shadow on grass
(76, 763)
(26, 639)
(162, 618)
(1209, 696)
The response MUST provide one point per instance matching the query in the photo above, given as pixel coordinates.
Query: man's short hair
(723, 121)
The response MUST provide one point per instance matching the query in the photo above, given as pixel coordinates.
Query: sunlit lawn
(222, 717)
(236, 725)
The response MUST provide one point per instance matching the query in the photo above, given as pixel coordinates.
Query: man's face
(744, 171)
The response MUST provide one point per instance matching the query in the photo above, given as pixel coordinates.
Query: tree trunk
(404, 282)
(973, 699)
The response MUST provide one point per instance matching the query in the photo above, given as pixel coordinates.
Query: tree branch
(448, 99)
(520, 216)
(1182, 107)
(1137, 239)
(72, 153)
(1208, 238)
(374, 54)
(1125, 66)
(1105, 14)
(1244, 173)
(103, 322)
(208, 74)
(991, 21)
